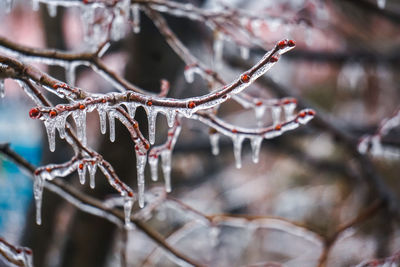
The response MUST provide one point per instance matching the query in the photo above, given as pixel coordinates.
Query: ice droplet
(128, 203)
(151, 116)
(381, 3)
(140, 166)
(289, 110)
(214, 139)
(92, 167)
(2, 89)
(237, 149)
(52, 9)
(111, 121)
(102, 117)
(171, 114)
(153, 162)
(82, 172)
(244, 52)
(50, 125)
(135, 11)
(256, 146)
(166, 168)
(276, 114)
(80, 122)
(38, 184)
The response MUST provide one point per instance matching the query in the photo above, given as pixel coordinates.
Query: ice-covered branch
(93, 206)
(18, 256)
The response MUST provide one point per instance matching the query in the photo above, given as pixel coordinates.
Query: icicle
(60, 124)
(276, 114)
(102, 118)
(131, 107)
(70, 74)
(214, 138)
(50, 125)
(171, 114)
(166, 168)
(35, 5)
(2, 89)
(218, 48)
(111, 121)
(52, 9)
(381, 3)
(136, 18)
(260, 111)
(237, 149)
(9, 4)
(92, 172)
(256, 146)
(118, 26)
(80, 122)
(244, 52)
(153, 162)
(82, 172)
(140, 166)
(38, 184)
(289, 109)
(151, 116)
(128, 203)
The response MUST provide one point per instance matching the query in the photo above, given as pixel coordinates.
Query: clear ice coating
(92, 167)
(276, 114)
(111, 120)
(82, 172)
(140, 166)
(166, 168)
(52, 9)
(128, 203)
(237, 149)
(153, 162)
(50, 125)
(38, 184)
(214, 139)
(381, 3)
(2, 89)
(80, 122)
(135, 11)
(255, 147)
